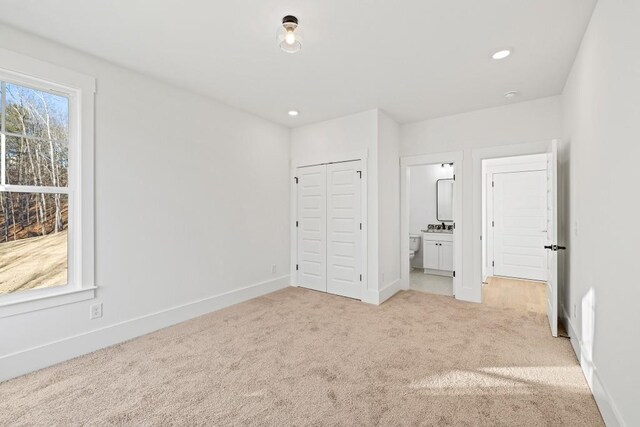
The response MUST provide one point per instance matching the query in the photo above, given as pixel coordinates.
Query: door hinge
(454, 273)
(296, 178)
(361, 277)
(493, 263)
(493, 224)
(493, 184)
(360, 226)
(296, 267)
(359, 174)
(296, 223)
(454, 176)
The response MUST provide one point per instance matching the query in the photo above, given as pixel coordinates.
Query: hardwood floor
(523, 295)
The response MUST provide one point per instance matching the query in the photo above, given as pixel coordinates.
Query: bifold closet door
(344, 234)
(312, 227)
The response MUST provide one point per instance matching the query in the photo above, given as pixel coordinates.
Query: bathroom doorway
(430, 221)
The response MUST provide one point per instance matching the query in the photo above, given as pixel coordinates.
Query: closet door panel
(312, 230)
(344, 236)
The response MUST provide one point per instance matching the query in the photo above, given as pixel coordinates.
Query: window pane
(36, 113)
(30, 162)
(33, 241)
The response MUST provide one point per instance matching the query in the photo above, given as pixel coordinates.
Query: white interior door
(312, 234)
(520, 224)
(552, 241)
(344, 234)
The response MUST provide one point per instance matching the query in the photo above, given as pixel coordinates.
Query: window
(46, 159)
(34, 190)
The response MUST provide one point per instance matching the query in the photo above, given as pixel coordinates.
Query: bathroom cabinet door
(446, 256)
(431, 255)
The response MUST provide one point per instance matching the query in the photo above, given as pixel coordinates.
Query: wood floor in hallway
(521, 295)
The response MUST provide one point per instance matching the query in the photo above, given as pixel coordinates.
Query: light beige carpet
(299, 357)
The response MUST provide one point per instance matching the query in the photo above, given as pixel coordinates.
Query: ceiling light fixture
(501, 54)
(289, 35)
(293, 113)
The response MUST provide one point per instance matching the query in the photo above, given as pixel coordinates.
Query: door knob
(556, 248)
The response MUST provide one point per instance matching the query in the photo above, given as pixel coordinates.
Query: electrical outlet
(95, 311)
(273, 269)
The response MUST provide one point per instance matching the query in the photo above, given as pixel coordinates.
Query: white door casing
(344, 229)
(520, 224)
(475, 217)
(461, 291)
(312, 235)
(552, 240)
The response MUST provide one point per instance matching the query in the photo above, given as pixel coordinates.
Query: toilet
(414, 244)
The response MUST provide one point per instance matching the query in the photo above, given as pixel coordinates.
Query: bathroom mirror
(444, 200)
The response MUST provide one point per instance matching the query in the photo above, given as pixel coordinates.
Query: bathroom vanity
(437, 253)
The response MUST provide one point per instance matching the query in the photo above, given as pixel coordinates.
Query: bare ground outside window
(33, 242)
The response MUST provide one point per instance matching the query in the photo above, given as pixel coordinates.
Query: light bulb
(290, 38)
(289, 35)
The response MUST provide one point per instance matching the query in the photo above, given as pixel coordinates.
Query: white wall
(347, 138)
(191, 202)
(531, 121)
(389, 202)
(602, 124)
(531, 124)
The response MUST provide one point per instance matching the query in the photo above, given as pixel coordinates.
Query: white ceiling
(415, 59)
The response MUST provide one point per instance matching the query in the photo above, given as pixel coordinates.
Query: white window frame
(80, 90)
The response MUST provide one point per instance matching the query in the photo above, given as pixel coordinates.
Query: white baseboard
(607, 407)
(25, 361)
(378, 297)
(388, 291)
(438, 272)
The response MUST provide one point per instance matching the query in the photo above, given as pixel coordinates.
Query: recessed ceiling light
(501, 54)
(293, 113)
(511, 94)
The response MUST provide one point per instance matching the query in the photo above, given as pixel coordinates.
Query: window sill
(12, 308)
